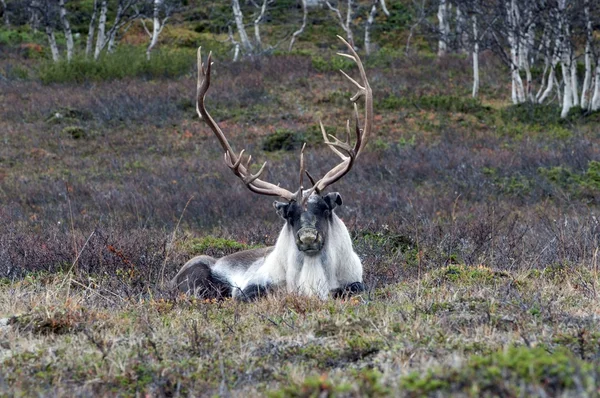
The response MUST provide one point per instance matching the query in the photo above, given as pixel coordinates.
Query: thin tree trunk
(239, 22)
(52, 42)
(101, 37)
(370, 20)
(90, 37)
(236, 51)
(555, 58)
(595, 105)
(257, 22)
(574, 82)
(567, 102)
(442, 15)
(475, 57)
(114, 30)
(518, 92)
(301, 30)
(67, 29)
(572, 66)
(587, 80)
(156, 27)
(345, 25)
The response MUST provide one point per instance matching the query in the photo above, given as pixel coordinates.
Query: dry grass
(65, 341)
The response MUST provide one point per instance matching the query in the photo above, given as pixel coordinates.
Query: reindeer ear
(281, 208)
(333, 200)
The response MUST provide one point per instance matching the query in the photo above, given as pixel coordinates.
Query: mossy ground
(463, 330)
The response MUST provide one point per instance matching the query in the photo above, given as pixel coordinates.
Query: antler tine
(234, 162)
(362, 135)
(326, 140)
(312, 180)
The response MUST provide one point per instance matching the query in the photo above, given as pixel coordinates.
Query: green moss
(459, 273)
(312, 386)
(504, 372)
(579, 184)
(212, 243)
(75, 132)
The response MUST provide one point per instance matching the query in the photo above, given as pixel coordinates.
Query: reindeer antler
(343, 149)
(362, 135)
(233, 161)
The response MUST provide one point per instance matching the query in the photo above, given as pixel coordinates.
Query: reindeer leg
(349, 290)
(254, 292)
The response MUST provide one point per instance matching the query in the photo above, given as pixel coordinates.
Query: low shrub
(448, 103)
(124, 62)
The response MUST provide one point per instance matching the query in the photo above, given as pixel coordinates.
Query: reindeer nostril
(308, 237)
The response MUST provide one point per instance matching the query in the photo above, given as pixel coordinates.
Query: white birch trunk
(384, 8)
(518, 92)
(257, 21)
(442, 16)
(587, 80)
(370, 20)
(555, 58)
(567, 102)
(90, 37)
(544, 48)
(239, 23)
(348, 22)
(475, 57)
(572, 64)
(52, 43)
(114, 30)
(156, 27)
(595, 104)
(344, 24)
(67, 29)
(236, 44)
(101, 36)
(301, 30)
(574, 82)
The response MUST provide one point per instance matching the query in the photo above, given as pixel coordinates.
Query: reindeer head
(310, 223)
(307, 211)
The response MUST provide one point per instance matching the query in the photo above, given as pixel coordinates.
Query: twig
(162, 271)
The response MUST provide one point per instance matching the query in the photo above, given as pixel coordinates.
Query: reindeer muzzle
(309, 240)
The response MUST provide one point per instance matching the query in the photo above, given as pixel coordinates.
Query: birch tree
(46, 12)
(475, 56)
(66, 28)
(589, 37)
(345, 23)
(371, 20)
(158, 7)
(125, 15)
(91, 27)
(239, 23)
(101, 36)
(444, 27)
(302, 27)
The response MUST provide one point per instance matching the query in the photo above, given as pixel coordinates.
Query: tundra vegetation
(476, 220)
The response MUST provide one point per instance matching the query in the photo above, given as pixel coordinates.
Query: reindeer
(313, 255)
